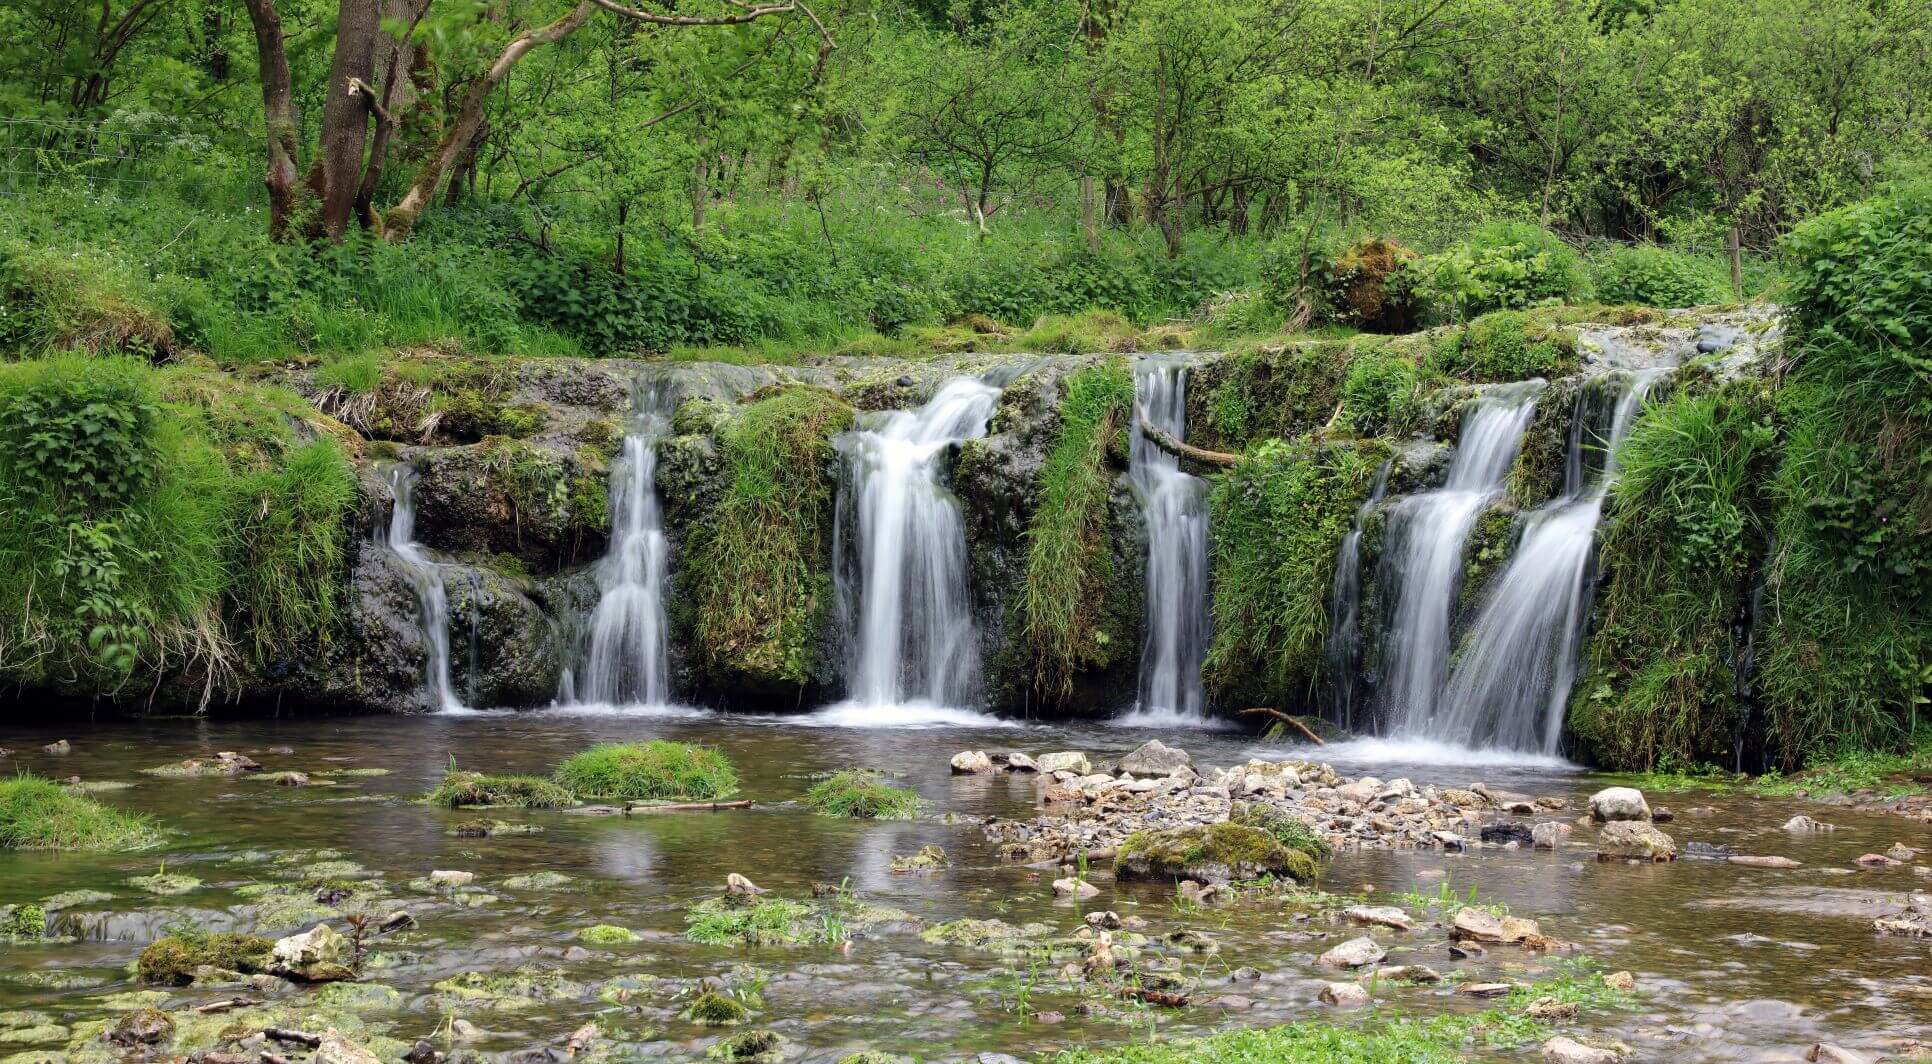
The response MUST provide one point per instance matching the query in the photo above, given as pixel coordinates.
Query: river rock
(1802, 823)
(1566, 1050)
(1210, 853)
(1901, 852)
(1065, 761)
(1632, 838)
(1878, 860)
(1155, 758)
(1354, 953)
(58, 746)
(1507, 831)
(315, 956)
(1618, 803)
(1750, 861)
(1826, 1053)
(1074, 887)
(971, 763)
(1481, 925)
(1408, 973)
(1379, 915)
(336, 1049)
(142, 1027)
(1550, 834)
(1621, 981)
(1018, 762)
(451, 878)
(1344, 995)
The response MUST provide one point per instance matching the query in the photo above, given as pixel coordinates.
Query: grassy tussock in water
(38, 814)
(159, 519)
(734, 920)
(461, 790)
(863, 795)
(1068, 564)
(1276, 520)
(760, 563)
(652, 771)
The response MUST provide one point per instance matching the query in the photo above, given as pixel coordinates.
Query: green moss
(562, 495)
(1507, 345)
(1279, 390)
(712, 1009)
(460, 790)
(1223, 851)
(658, 770)
(1064, 605)
(1487, 552)
(760, 562)
(862, 795)
(993, 936)
(1080, 334)
(1276, 520)
(756, 1046)
(23, 921)
(165, 882)
(38, 814)
(1289, 830)
(172, 960)
(607, 935)
(1381, 394)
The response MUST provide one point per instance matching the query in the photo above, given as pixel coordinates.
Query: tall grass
(39, 814)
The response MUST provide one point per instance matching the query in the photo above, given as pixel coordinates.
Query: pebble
(1764, 862)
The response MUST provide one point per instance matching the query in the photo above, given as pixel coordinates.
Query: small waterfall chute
(628, 661)
(1174, 504)
(432, 598)
(1342, 653)
(902, 572)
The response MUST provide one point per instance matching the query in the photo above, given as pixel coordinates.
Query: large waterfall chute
(1423, 554)
(628, 663)
(901, 545)
(1174, 505)
(432, 598)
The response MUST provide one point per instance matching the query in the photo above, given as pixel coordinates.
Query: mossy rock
(547, 505)
(172, 960)
(607, 935)
(1289, 830)
(1212, 853)
(991, 936)
(475, 790)
(713, 1009)
(519, 989)
(751, 1047)
(39, 814)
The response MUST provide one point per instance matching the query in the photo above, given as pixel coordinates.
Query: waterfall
(1422, 556)
(1514, 673)
(902, 550)
(1342, 655)
(628, 662)
(1175, 507)
(432, 602)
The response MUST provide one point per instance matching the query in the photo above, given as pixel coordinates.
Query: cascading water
(432, 602)
(628, 663)
(1175, 505)
(1519, 661)
(902, 549)
(1342, 656)
(1422, 558)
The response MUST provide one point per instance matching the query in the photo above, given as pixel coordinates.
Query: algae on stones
(172, 960)
(1215, 853)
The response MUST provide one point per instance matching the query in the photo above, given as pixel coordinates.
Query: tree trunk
(278, 112)
(336, 174)
(1088, 226)
(396, 54)
(401, 219)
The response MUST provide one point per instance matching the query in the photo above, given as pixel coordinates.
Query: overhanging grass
(863, 795)
(759, 563)
(658, 770)
(1068, 564)
(39, 814)
(460, 790)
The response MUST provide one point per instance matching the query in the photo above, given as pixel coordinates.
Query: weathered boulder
(142, 1027)
(1155, 758)
(1344, 995)
(1379, 915)
(1802, 823)
(1750, 861)
(1065, 761)
(971, 762)
(1211, 853)
(544, 502)
(1565, 1050)
(1481, 925)
(1637, 839)
(1549, 834)
(1618, 803)
(1354, 953)
(319, 955)
(335, 1049)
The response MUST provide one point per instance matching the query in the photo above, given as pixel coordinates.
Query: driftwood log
(1279, 715)
(1166, 442)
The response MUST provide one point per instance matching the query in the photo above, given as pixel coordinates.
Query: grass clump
(735, 920)
(463, 790)
(759, 562)
(85, 301)
(659, 770)
(1069, 565)
(171, 961)
(863, 795)
(1275, 521)
(607, 935)
(39, 814)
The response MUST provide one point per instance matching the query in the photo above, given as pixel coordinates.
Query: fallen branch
(1166, 442)
(687, 807)
(300, 1038)
(1279, 715)
(224, 1006)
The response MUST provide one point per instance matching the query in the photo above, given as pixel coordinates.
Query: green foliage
(23, 921)
(1381, 392)
(1685, 526)
(1291, 831)
(1652, 276)
(459, 790)
(862, 795)
(1851, 770)
(1502, 266)
(88, 302)
(650, 771)
(172, 960)
(1507, 345)
(39, 814)
(738, 920)
(286, 546)
(760, 561)
(1276, 520)
(1069, 563)
(712, 1009)
(606, 935)
(1272, 390)
(1861, 277)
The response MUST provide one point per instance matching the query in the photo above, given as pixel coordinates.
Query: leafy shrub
(1502, 266)
(39, 814)
(655, 770)
(1380, 392)
(1863, 276)
(862, 795)
(1651, 276)
(1506, 345)
(1371, 286)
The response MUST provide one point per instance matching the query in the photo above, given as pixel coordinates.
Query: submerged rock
(1565, 1050)
(1635, 839)
(1354, 953)
(1803, 823)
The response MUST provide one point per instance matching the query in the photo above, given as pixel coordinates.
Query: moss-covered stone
(172, 960)
(1289, 830)
(713, 1009)
(1214, 853)
(546, 504)
(462, 790)
(607, 935)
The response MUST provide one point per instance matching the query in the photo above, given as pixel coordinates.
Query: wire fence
(35, 153)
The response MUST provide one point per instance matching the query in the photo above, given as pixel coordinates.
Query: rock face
(1618, 803)
(1630, 838)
